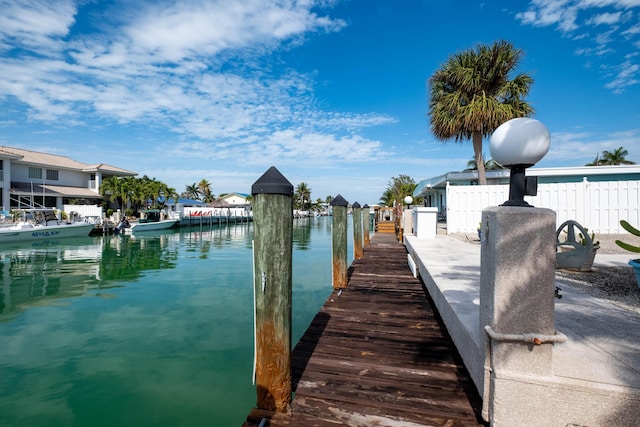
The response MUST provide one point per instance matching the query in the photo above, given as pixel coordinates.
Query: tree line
(133, 194)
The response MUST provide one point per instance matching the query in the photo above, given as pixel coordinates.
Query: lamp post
(518, 144)
(517, 283)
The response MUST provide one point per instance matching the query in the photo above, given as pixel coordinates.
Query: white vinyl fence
(85, 211)
(598, 206)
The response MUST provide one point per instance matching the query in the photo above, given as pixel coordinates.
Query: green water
(154, 330)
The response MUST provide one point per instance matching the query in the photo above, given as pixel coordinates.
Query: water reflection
(33, 273)
(152, 329)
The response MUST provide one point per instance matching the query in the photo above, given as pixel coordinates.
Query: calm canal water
(152, 330)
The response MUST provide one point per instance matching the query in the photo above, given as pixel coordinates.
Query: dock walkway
(377, 354)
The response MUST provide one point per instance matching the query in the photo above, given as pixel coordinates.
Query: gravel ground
(617, 285)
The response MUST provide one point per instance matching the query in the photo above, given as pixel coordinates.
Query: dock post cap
(365, 206)
(272, 182)
(356, 205)
(339, 201)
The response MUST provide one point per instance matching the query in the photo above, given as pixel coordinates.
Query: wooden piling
(366, 224)
(357, 231)
(272, 257)
(339, 241)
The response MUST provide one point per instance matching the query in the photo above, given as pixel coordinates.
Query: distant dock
(377, 354)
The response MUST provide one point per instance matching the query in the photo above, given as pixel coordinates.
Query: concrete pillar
(407, 221)
(517, 303)
(425, 222)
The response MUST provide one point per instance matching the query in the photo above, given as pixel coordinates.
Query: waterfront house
(596, 196)
(235, 199)
(32, 178)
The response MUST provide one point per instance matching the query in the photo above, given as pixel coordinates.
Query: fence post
(366, 223)
(272, 257)
(357, 231)
(339, 241)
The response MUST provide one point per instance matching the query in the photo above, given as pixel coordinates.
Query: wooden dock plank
(377, 354)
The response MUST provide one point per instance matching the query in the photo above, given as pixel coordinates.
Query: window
(35, 173)
(52, 174)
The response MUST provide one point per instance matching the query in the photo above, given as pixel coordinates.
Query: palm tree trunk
(477, 149)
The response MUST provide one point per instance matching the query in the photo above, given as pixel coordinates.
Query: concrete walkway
(601, 358)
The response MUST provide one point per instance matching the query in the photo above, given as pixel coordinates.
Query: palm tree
(165, 193)
(302, 195)
(472, 94)
(110, 189)
(387, 198)
(204, 187)
(397, 189)
(191, 192)
(118, 189)
(596, 161)
(616, 157)
(489, 165)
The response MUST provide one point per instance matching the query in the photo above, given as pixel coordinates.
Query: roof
(19, 155)
(226, 196)
(220, 203)
(618, 172)
(51, 190)
(188, 201)
(108, 169)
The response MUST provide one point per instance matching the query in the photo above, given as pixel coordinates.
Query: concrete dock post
(357, 231)
(516, 310)
(366, 224)
(339, 242)
(272, 258)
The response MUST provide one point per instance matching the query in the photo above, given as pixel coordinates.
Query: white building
(235, 199)
(598, 197)
(31, 178)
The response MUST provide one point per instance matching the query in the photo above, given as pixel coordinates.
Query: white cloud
(158, 63)
(172, 32)
(604, 19)
(626, 74)
(570, 17)
(582, 147)
(542, 13)
(35, 24)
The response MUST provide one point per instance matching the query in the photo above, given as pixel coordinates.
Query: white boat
(42, 224)
(151, 226)
(150, 222)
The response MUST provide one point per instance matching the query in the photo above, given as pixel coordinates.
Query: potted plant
(578, 249)
(635, 263)
(591, 255)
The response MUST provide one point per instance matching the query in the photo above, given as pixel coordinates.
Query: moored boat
(42, 224)
(151, 226)
(151, 222)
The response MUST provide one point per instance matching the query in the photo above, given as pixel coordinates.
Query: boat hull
(151, 226)
(50, 232)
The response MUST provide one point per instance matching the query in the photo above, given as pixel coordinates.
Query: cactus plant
(631, 229)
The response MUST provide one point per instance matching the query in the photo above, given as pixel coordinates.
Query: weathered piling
(357, 231)
(366, 224)
(273, 236)
(339, 241)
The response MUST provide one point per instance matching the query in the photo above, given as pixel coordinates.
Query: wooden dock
(377, 355)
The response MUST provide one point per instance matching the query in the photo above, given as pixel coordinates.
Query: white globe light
(521, 141)
(408, 200)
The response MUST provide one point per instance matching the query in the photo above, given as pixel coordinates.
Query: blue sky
(332, 93)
